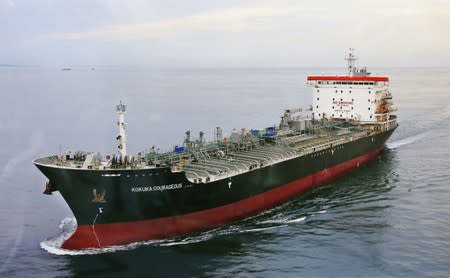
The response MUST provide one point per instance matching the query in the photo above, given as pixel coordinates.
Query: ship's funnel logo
(99, 197)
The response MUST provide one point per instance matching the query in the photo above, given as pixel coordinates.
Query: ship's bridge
(355, 97)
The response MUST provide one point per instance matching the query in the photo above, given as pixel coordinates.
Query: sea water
(388, 218)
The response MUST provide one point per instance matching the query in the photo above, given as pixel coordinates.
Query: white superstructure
(355, 97)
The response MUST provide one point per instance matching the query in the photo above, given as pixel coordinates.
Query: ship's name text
(343, 103)
(157, 187)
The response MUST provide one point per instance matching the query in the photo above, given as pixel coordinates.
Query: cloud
(255, 18)
(331, 20)
(275, 32)
(7, 4)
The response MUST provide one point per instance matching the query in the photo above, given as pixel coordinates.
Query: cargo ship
(202, 184)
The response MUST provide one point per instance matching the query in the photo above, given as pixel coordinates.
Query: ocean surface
(390, 217)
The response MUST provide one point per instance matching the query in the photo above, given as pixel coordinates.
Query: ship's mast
(122, 138)
(351, 61)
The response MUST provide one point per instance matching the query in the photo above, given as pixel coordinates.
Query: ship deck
(214, 161)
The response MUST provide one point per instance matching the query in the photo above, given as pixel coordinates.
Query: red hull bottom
(126, 232)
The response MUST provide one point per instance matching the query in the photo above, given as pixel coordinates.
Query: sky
(224, 33)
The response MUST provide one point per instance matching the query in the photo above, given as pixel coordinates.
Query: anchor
(48, 188)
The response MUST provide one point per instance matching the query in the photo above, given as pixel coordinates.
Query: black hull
(103, 197)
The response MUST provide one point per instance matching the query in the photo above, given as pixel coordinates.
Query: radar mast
(122, 137)
(351, 61)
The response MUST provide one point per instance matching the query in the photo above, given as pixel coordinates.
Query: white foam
(407, 140)
(283, 220)
(53, 246)
(55, 249)
(297, 220)
(261, 229)
(188, 240)
(68, 226)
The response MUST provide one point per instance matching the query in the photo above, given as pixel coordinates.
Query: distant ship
(200, 185)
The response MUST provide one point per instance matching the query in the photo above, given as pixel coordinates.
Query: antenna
(122, 137)
(351, 61)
